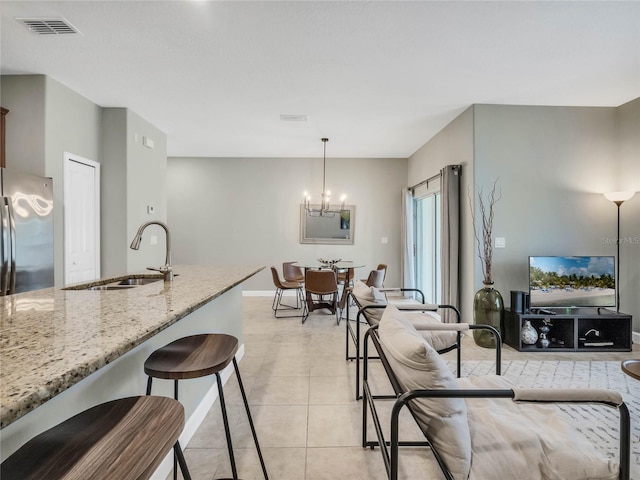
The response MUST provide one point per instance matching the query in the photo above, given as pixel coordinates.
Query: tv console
(591, 329)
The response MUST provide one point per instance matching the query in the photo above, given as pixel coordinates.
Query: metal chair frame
(390, 449)
(362, 312)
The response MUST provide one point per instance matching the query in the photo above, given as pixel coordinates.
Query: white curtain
(450, 255)
(408, 275)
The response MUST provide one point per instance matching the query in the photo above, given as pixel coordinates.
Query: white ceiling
(378, 78)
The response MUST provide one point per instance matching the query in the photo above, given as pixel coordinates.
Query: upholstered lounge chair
(481, 428)
(371, 303)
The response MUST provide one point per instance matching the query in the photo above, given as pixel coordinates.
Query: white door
(81, 219)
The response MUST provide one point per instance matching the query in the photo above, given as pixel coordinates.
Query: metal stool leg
(227, 432)
(175, 455)
(253, 430)
(177, 452)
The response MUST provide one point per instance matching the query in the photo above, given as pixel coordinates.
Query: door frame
(71, 157)
(434, 293)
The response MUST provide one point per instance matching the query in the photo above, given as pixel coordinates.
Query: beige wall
(246, 210)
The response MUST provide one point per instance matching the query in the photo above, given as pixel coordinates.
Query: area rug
(599, 424)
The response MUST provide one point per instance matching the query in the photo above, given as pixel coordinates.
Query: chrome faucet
(166, 270)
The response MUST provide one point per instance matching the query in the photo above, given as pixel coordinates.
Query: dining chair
(375, 278)
(321, 288)
(345, 276)
(282, 287)
(382, 266)
(292, 273)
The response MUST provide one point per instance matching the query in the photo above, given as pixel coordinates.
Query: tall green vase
(488, 309)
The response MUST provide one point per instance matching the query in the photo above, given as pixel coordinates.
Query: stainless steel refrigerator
(26, 243)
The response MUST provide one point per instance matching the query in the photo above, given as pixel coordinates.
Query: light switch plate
(500, 242)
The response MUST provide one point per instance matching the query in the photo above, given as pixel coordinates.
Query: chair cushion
(418, 366)
(421, 321)
(365, 296)
(528, 441)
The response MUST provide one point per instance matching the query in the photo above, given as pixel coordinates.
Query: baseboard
(267, 293)
(197, 417)
(635, 337)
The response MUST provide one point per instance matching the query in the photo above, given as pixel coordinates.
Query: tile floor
(301, 393)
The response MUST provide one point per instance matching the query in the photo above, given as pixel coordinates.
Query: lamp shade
(619, 197)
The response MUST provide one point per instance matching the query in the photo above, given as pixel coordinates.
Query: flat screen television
(572, 281)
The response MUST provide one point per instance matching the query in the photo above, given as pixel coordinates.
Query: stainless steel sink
(122, 283)
(110, 287)
(139, 281)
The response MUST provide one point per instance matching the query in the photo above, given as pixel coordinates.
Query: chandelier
(325, 209)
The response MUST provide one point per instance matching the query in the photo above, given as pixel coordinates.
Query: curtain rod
(425, 182)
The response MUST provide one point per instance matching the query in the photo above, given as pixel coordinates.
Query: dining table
(347, 266)
(319, 265)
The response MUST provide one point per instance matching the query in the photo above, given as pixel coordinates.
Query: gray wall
(113, 187)
(553, 164)
(133, 177)
(453, 145)
(146, 185)
(628, 141)
(246, 210)
(24, 96)
(48, 119)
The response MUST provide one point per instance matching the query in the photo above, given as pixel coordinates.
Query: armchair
(482, 427)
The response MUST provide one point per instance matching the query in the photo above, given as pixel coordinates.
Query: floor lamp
(618, 198)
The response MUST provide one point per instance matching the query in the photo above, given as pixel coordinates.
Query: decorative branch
(484, 245)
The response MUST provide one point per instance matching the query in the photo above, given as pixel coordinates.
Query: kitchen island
(65, 350)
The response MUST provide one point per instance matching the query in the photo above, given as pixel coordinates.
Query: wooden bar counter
(63, 351)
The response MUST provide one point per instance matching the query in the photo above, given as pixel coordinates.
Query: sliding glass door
(427, 228)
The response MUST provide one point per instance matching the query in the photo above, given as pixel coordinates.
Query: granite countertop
(51, 339)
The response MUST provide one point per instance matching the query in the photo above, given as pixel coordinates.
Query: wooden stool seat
(192, 357)
(122, 439)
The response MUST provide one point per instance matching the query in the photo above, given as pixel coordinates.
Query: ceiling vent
(294, 118)
(48, 26)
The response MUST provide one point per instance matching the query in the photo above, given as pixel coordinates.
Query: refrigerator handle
(5, 239)
(12, 247)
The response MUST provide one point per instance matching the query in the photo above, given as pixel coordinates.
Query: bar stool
(198, 356)
(125, 439)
